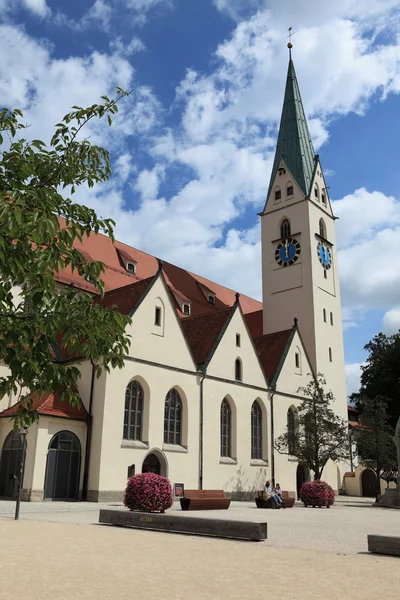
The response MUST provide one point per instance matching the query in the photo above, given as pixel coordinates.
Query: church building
(212, 377)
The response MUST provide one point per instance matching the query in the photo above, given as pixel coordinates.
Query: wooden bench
(384, 544)
(205, 500)
(262, 502)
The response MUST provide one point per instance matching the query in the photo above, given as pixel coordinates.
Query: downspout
(273, 388)
(88, 439)
(201, 434)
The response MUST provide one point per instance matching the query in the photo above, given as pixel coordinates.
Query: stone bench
(384, 544)
(223, 528)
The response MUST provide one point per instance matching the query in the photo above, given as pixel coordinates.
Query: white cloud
(127, 49)
(38, 7)
(391, 321)
(148, 183)
(353, 374)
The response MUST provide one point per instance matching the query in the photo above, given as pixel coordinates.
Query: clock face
(287, 252)
(324, 255)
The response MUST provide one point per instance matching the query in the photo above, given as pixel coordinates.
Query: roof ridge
(264, 335)
(208, 314)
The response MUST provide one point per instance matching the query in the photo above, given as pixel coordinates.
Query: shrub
(148, 492)
(317, 493)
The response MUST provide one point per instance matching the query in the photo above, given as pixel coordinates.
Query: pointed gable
(49, 404)
(294, 144)
(271, 349)
(204, 331)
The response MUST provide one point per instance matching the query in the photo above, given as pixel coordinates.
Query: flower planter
(317, 494)
(148, 492)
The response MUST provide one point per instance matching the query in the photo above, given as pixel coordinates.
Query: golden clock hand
(287, 246)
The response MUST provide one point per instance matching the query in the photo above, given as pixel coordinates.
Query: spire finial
(237, 298)
(290, 45)
(160, 264)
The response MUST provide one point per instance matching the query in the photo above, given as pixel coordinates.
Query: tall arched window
(238, 369)
(291, 430)
(226, 428)
(133, 414)
(173, 418)
(256, 431)
(322, 228)
(285, 228)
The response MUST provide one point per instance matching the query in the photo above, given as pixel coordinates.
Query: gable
(291, 376)
(156, 333)
(222, 363)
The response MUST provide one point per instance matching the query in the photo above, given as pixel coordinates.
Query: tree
(380, 375)
(374, 439)
(320, 435)
(34, 244)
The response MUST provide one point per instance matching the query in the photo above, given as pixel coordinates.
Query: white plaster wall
(116, 454)
(241, 474)
(222, 363)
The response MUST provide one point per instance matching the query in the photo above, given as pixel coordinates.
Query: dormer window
(289, 190)
(131, 268)
(211, 299)
(278, 194)
(186, 309)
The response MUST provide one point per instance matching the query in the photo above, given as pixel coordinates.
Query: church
(212, 376)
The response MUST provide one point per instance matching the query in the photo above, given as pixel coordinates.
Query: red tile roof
(254, 322)
(49, 404)
(202, 332)
(183, 284)
(125, 298)
(270, 349)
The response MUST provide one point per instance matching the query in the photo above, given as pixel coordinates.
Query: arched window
(322, 229)
(278, 193)
(238, 369)
(285, 228)
(133, 414)
(323, 198)
(316, 192)
(173, 418)
(226, 428)
(291, 430)
(256, 431)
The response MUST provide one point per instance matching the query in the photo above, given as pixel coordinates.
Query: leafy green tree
(380, 375)
(36, 182)
(374, 439)
(319, 434)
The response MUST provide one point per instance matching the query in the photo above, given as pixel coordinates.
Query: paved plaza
(57, 550)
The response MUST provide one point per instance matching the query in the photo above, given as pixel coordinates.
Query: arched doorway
(155, 462)
(63, 467)
(300, 479)
(369, 484)
(10, 464)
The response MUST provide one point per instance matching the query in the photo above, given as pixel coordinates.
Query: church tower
(299, 257)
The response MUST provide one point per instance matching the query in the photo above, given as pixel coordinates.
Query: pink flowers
(148, 492)
(317, 493)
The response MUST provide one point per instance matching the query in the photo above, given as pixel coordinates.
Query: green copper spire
(294, 141)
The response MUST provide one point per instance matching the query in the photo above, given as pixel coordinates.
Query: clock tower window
(285, 229)
(278, 194)
(322, 229)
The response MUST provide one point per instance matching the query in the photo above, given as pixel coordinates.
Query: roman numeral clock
(287, 252)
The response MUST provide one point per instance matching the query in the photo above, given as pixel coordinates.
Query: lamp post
(24, 431)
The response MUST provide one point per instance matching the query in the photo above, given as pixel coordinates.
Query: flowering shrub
(148, 492)
(317, 493)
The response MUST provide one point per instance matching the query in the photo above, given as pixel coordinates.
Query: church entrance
(10, 464)
(300, 479)
(63, 467)
(369, 484)
(155, 462)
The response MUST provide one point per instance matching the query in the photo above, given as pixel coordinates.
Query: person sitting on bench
(269, 495)
(278, 495)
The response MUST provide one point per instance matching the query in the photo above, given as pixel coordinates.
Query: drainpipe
(272, 438)
(201, 440)
(88, 439)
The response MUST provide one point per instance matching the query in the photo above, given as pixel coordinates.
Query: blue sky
(192, 147)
